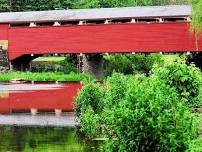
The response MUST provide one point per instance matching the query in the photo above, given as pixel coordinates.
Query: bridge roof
(95, 14)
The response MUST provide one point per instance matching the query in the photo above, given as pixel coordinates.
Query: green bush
(116, 87)
(69, 64)
(143, 113)
(150, 118)
(186, 79)
(131, 63)
(89, 123)
(91, 95)
(195, 146)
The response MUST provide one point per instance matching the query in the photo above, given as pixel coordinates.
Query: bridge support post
(33, 111)
(4, 64)
(93, 65)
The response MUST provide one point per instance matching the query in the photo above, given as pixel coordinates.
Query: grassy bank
(49, 59)
(44, 76)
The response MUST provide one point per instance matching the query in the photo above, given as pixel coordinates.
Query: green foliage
(142, 113)
(197, 16)
(151, 118)
(130, 63)
(116, 87)
(184, 78)
(28, 5)
(144, 62)
(89, 122)
(195, 146)
(68, 67)
(40, 139)
(90, 96)
(124, 3)
(4, 5)
(63, 64)
(45, 76)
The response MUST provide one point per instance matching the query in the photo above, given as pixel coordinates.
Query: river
(40, 139)
(16, 102)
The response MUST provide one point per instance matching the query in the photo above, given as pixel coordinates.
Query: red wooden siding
(200, 43)
(139, 37)
(3, 31)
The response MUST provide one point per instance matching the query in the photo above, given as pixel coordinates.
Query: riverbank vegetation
(128, 63)
(45, 76)
(63, 63)
(139, 113)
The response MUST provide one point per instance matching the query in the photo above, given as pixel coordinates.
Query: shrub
(195, 146)
(144, 113)
(89, 122)
(184, 78)
(67, 66)
(130, 63)
(116, 87)
(150, 118)
(91, 95)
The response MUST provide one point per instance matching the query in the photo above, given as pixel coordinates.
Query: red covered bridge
(135, 29)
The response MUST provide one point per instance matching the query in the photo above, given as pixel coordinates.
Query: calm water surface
(45, 97)
(41, 96)
(40, 139)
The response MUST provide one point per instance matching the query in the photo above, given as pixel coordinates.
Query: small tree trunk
(93, 65)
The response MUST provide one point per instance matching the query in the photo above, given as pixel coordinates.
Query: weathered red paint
(62, 98)
(4, 31)
(137, 37)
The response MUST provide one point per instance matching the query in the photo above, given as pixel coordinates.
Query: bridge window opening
(119, 21)
(95, 22)
(182, 19)
(19, 24)
(45, 111)
(147, 20)
(70, 23)
(45, 24)
(14, 111)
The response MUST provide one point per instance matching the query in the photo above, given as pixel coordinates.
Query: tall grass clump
(45, 76)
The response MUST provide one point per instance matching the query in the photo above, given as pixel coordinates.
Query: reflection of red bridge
(46, 98)
(141, 29)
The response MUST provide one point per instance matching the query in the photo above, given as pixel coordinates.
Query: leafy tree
(197, 16)
(27, 5)
(18, 5)
(87, 4)
(4, 5)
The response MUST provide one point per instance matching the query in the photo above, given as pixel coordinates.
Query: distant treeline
(36, 5)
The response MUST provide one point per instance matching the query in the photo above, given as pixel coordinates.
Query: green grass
(49, 59)
(45, 76)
